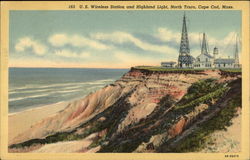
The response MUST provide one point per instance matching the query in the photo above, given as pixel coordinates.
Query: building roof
(224, 60)
(208, 55)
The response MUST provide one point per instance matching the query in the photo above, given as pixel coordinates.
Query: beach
(37, 93)
(21, 121)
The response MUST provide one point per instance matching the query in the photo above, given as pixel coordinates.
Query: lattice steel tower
(185, 59)
(236, 55)
(204, 45)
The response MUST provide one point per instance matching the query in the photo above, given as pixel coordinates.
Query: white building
(169, 64)
(224, 63)
(205, 60)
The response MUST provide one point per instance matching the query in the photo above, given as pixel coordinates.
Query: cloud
(121, 49)
(70, 54)
(225, 44)
(131, 59)
(167, 35)
(195, 38)
(229, 39)
(123, 37)
(26, 43)
(60, 40)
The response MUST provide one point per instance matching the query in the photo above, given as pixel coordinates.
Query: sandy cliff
(143, 111)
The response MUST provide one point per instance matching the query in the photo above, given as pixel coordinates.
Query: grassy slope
(224, 71)
(196, 140)
(157, 122)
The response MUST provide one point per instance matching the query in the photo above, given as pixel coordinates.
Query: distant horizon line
(73, 67)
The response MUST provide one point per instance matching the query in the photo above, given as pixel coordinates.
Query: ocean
(36, 87)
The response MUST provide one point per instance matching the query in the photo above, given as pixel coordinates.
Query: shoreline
(21, 121)
(37, 107)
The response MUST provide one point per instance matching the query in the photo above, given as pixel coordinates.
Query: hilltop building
(169, 64)
(204, 60)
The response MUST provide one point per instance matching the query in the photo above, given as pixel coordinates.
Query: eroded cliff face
(139, 112)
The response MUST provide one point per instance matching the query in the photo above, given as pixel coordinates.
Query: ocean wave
(43, 95)
(94, 87)
(29, 91)
(36, 87)
(42, 90)
(106, 80)
(67, 91)
(52, 93)
(26, 97)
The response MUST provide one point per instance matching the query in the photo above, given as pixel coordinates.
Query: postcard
(125, 80)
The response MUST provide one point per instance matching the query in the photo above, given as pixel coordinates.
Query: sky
(114, 39)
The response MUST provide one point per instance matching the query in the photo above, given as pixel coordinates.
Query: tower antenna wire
(240, 42)
(227, 45)
(188, 25)
(200, 39)
(207, 46)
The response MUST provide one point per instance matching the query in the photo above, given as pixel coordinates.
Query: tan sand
(21, 121)
(67, 147)
(226, 141)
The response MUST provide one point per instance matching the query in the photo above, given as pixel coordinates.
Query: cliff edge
(143, 111)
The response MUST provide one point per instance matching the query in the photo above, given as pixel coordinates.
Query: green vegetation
(233, 70)
(201, 90)
(97, 142)
(164, 69)
(207, 91)
(198, 139)
(154, 68)
(205, 99)
(133, 135)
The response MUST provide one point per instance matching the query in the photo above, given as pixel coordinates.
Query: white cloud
(195, 38)
(123, 37)
(26, 42)
(167, 35)
(225, 44)
(131, 59)
(228, 40)
(60, 40)
(70, 54)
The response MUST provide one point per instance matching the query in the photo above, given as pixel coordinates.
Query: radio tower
(204, 45)
(184, 60)
(236, 56)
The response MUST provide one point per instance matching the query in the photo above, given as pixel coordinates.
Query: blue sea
(35, 87)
